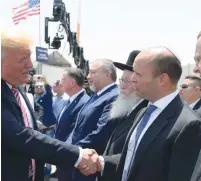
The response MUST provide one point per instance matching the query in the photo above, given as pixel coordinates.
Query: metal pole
(78, 21)
(39, 64)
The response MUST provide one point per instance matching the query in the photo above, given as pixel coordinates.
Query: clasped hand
(90, 163)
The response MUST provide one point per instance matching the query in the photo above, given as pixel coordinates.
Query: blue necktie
(140, 128)
(144, 121)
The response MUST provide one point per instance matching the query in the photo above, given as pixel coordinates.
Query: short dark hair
(195, 79)
(199, 35)
(168, 64)
(76, 74)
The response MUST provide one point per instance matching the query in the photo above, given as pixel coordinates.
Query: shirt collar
(9, 85)
(105, 88)
(193, 103)
(163, 102)
(72, 98)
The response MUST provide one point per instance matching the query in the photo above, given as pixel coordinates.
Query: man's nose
(29, 64)
(196, 70)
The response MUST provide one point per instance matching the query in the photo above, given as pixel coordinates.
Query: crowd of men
(144, 129)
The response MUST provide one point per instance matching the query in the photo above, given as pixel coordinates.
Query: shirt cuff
(80, 157)
(102, 162)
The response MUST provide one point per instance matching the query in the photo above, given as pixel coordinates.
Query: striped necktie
(26, 122)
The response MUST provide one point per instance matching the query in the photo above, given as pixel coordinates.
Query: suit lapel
(70, 107)
(89, 106)
(170, 113)
(198, 105)
(124, 152)
(10, 99)
(31, 111)
(127, 122)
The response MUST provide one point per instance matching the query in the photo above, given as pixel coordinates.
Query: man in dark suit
(24, 150)
(124, 109)
(191, 92)
(72, 82)
(92, 118)
(196, 176)
(158, 145)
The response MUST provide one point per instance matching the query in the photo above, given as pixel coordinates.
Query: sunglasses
(185, 86)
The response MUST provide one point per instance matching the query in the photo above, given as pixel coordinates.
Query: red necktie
(26, 122)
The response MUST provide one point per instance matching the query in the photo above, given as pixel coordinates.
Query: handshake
(90, 162)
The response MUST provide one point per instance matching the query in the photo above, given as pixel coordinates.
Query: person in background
(43, 96)
(72, 82)
(29, 86)
(123, 110)
(164, 141)
(60, 99)
(196, 176)
(190, 91)
(95, 114)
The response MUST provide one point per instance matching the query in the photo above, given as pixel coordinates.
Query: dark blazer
(91, 120)
(45, 100)
(197, 108)
(68, 118)
(196, 176)
(20, 144)
(163, 153)
(118, 137)
(89, 131)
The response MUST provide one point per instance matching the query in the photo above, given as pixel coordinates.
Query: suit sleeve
(185, 152)
(110, 168)
(99, 137)
(34, 144)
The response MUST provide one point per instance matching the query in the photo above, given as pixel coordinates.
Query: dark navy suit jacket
(20, 144)
(90, 130)
(92, 118)
(68, 117)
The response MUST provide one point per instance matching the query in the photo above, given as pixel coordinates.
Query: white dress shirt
(193, 104)
(161, 104)
(105, 88)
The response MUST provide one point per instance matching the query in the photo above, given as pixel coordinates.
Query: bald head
(163, 61)
(156, 73)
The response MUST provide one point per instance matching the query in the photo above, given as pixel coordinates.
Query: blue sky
(113, 28)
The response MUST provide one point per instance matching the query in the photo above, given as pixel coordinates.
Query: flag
(22, 12)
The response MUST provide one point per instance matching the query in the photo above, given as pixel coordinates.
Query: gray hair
(76, 74)
(107, 66)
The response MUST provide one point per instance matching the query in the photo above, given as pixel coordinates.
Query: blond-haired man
(23, 148)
